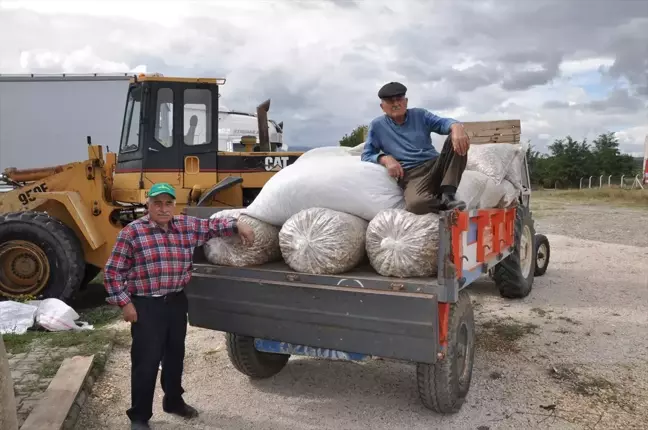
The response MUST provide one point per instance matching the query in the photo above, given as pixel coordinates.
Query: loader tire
(39, 256)
(514, 274)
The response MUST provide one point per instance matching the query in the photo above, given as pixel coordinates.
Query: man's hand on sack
(460, 140)
(245, 233)
(394, 168)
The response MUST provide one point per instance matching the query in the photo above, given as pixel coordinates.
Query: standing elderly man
(146, 275)
(429, 179)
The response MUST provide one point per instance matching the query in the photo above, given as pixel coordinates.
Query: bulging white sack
(345, 184)
(325, 151)
(511, 194)
(230, 251)
(323, 241)
(492, 159)
(403, 244)
(479, 191)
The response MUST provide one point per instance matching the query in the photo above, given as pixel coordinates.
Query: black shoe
(449, 202)
(184, 410)
(139, 425)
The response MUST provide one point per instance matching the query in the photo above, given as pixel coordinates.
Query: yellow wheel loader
(58, 224)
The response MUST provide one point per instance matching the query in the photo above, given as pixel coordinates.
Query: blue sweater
(409, 143)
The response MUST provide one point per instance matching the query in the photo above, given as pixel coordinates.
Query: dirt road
(572, 355)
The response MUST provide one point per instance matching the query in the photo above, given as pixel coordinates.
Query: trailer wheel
(39, 256)
(251, 362)
(514, 274)
(443, 386)
(543, 252)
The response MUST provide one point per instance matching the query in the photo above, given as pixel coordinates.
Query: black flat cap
(392, 89)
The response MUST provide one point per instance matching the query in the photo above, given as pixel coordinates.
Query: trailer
(270, 312)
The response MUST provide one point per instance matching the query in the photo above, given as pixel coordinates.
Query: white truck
(45, 119)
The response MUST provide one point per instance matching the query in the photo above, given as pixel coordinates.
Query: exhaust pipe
(264, 134)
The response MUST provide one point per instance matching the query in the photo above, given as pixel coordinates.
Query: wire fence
(629, 182)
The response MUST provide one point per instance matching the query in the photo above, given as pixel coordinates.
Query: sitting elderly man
(429, 179)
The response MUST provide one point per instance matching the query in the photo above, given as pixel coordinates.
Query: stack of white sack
(230, 251)
(493, 175)
(341, 183)
(403, 244)
(323, 241)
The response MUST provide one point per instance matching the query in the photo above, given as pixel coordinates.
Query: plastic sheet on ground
(323, 241)
(51, 314)
(403, 244)
(230, 251)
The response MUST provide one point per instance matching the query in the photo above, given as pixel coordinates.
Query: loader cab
(169, 134)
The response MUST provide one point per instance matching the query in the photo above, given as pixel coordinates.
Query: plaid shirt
(148, 261)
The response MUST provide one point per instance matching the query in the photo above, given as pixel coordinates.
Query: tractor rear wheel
(514, 274)
(39, 256)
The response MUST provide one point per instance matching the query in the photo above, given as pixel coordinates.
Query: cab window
(197, 117)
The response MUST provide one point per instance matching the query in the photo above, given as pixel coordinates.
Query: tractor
(58, 224)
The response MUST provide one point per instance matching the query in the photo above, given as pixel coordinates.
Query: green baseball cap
(162, 188)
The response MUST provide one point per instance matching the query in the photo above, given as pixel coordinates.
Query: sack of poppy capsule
(323, 241)
(480, 191)
(494, 159)
(230, 251)
(403, 244)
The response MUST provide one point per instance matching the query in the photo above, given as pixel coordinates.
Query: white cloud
(322, 61)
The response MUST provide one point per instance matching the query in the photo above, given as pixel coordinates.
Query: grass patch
(503, 336)
(636, 198)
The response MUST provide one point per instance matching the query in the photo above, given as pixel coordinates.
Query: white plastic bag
(16, 317)
(357, 150)
(492, 159)
(514, 174)
(230, 251)
(403, 244)
(345, 184)
(323, 241)
(55, 315)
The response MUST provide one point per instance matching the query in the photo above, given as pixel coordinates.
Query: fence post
(580, 184)
(601, 181)
(621, 184)
(590, 181)
(610, 181)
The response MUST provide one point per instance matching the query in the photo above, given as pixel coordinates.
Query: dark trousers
(422, 185)
(158, 335)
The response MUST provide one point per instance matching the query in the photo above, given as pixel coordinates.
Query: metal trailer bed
(270, 312)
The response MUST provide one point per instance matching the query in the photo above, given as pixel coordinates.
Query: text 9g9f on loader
(58, 224)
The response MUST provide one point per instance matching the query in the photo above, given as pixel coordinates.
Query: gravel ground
(572, 355)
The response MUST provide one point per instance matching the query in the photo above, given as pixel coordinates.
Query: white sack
(16, 317)
(55, 315)
(514, 174)
(345, 184)
(230, 251)
(479, 191)
(325, 151)
(357, 150)
(492, 159)
(403, 244)
(323, 241)
(511, 194)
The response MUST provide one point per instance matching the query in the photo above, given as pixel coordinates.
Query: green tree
(356, 137)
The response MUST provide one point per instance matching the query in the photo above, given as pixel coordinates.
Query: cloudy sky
(577, 67)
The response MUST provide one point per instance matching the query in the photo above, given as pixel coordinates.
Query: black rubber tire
(508, 273)
(540, 240)
(443, 387)
(58, 241)
(247, 360)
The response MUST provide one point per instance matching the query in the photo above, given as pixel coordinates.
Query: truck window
(130, 129)
(197, 116)
(164, 117)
